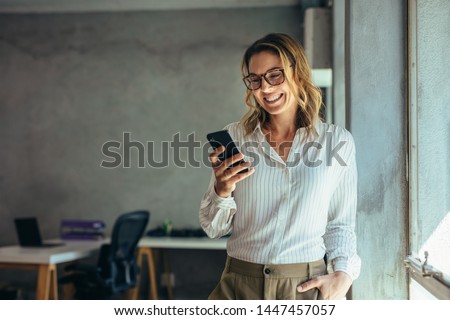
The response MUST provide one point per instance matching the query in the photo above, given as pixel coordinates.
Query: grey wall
(433, 103)
(71, 82)
(377, 120)
(339, 66)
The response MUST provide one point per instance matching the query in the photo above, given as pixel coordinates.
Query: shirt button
(267, 271)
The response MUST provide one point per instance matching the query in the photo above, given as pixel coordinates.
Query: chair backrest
(121, 269)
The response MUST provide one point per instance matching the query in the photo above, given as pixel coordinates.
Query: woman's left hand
(332, 286)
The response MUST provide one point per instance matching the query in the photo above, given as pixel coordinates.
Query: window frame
(431, 279)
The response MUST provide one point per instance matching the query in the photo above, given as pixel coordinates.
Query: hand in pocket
(332, 286)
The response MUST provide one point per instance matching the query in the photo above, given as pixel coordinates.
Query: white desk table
(45, 261)
(145, 249)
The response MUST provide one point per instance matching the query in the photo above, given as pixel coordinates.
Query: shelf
(322, 77)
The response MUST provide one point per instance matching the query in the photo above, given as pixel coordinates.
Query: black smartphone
(223, 138)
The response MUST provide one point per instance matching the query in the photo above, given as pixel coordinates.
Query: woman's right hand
(226, 178)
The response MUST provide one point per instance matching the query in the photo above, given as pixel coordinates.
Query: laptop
(29, 235)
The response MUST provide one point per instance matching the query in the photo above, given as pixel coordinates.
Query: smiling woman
(273, 94)
(292, 63)
(291, 223)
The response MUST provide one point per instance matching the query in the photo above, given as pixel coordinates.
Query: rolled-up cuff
(221, 201)
(348, 266)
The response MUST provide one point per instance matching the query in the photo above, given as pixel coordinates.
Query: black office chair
(116, 269)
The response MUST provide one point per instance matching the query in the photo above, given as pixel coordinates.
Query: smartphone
(223, 138)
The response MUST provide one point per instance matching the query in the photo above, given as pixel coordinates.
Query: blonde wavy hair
(298, 77)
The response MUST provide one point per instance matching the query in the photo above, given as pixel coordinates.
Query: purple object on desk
(91, 224)
(82, 229)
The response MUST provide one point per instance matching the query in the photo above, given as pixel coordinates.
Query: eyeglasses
(273, 77)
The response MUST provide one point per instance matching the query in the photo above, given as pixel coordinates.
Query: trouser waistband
(294, 270)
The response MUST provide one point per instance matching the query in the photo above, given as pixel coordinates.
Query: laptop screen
(28, 232)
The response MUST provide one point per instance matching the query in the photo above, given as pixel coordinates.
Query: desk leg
(152, 274)
(167, 274)
(134, 293)
(47, 283)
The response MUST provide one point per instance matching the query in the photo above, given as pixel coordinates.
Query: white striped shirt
(293, 211)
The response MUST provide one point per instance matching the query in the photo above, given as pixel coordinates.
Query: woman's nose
(265, 86)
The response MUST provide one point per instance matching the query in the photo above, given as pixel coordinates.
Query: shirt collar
(257, 132)
(317, 128)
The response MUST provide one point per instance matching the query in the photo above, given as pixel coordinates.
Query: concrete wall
(377, 119)
(339, 66)
(71, 82)
(433, 103)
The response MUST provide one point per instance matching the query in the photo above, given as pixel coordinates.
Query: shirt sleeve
(340, 237)
(216, 212)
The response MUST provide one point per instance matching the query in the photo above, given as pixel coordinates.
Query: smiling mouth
(273, 99)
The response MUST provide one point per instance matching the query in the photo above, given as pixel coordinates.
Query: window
(429, 150)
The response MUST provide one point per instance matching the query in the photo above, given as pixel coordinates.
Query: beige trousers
(243, 280)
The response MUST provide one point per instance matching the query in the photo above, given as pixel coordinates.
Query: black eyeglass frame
(260, 76)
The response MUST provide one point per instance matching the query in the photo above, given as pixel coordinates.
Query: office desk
(45, 261)
(145, 249)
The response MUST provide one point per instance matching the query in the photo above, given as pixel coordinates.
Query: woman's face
(278, 99)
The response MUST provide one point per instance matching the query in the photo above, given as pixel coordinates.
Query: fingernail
(299, 288)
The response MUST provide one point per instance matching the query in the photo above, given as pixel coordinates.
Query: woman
(297, 203)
